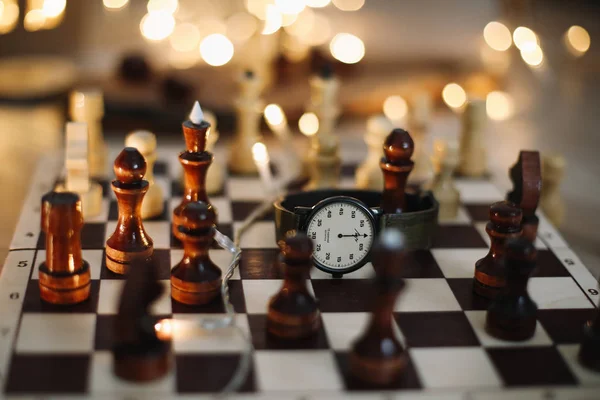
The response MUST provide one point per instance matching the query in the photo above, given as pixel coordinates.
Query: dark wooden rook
(196, 279)
(293, 312)
(589, 352)
(141, 346)
(64, 278)
(505, 223)
(195, 161)
(527, 185)
(512, 315)
(377, 357)
(396, 165)
(130, 241)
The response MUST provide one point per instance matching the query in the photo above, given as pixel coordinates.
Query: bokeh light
(274, 114)
(241, 26)
(497, 36)
(185, 37)
(273, 20)
(454, 95)
(577, 40)
(303, 25)
(499, 106)
(290, 6)
(317, 3)
(349, 5)
(533, 57)
(395, 108)
(169, 6)
(9, 17)
(34, 20)
(53, 8)
(216, 49)
(258, 8)
(525, 39)
(347, 48)
(114, 4)
(308, 124)
(260, 154)
(157, 25)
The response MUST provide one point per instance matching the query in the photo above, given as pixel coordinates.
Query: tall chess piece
(88, 106)
(249, 109)
(527, 183)
(368, 174)
(195, 161)
(551, 202)
(589, 352)
(293, 312)
(513, 314)
(129, 242)
(396, 165)
(145, 142)
(472, 140)
(141, 349)
(215, 177)
(64, 278)
(444, 189)
(419, 118)
(196, 279)
(377, 357)
(505, 224)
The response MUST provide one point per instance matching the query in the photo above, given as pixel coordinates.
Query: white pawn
(145, 143)
(444, 190)
(216, 173)
(551, 202)
(77, 163)
(472, 147)
(419, 117)
(368, 174)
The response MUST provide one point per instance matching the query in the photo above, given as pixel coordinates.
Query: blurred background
(535, 63)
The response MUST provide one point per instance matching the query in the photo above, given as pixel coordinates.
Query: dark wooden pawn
(527, 185)
(505, 223)
(512, 315)
(129, 241)
(195, 161)
(396, 165)
(293, 312)
(589, 352)
(64, 278)
(141, 346)
(196, 279)
(377, 357)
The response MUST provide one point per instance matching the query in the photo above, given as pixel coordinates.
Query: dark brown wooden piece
(513, 315)
(140, 352)
(129, 241)
(293, 312)
(505, 223)
(64, 278)
(589, 352)
(526, 177)
(196, 279)
(195, 161)
(396, 165)
(377, 357)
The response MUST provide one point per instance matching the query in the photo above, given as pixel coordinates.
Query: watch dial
(342, 234)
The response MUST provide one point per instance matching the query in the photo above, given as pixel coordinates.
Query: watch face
(342, 231)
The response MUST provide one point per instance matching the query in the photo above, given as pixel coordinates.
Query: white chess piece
(368, 174)
(419, 117)
(551, 202)
(444, 189)
(145, 143)
(472, 146)
(215, 176)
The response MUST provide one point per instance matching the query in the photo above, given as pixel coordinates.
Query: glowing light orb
(169, 6)
(317, 3)
(273, 20)
(347, 48)
(454, 95)
(9, 17)
(157, 26)
(34, 20)
(308, 124)
(349, 5)
(290, 6)
(259, 153)
(533, 57)
(525, 39)
(185, 37)
(577, 40)
(241, 26)
(114, 4)
(53, 8)
(499, 106)
(497, 36)
(274, 114)
(216, 49)
(395, 108)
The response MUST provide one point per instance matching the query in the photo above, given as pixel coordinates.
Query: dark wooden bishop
(396, 165)
(293, 312)
(195, 161)
(141, 351)
(64, 278)
(196, 279)
(513, 314)
(589, 352)
(129, 241)
(527, 185)
(505, 223)
(377, 357)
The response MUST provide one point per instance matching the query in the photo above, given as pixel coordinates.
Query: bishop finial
(196, 116)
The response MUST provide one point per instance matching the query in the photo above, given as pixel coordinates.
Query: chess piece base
(64, 288)
(195, 293)
(118, 261)
(505, 329)
(292, 326)
(142, 363)
(378, 372)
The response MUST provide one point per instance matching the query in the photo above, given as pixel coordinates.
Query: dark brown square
(105, 328)
(408, 380)
(236, 296)
(457, 236)
(240, 210)
(468, 300)
(263, 340)
(565, 326)
(548, 265)
(209, 373)
(160, 168)
(421, 264)
(436, 329)
(33, 303)
(92, 237)
(348, 170)
(176, 188)
(113, 210)
(479, 212)
(531, 366)
(106, 186)
(344, 295)
(48, 374)
(260, 264)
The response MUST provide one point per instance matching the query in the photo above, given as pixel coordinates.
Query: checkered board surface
(52, 350)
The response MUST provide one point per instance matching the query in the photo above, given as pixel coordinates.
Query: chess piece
(589, 352)
(293, 312)
(377, 357)
(215, 177)
(396, 165)
(551, 202)
(512, 314)
(195, 161)
(505, 223)
(527, 183)
(444, 190)
(368, 174)
(142, 348)
(249, 109)
(129, 241)
(196, 279)
(325, 164)
(419, 117)
(145, 142)
(88, 106)
(472, 140)
(64, 278)
(77, 165)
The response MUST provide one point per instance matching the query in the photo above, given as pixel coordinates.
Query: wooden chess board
(56, 350)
